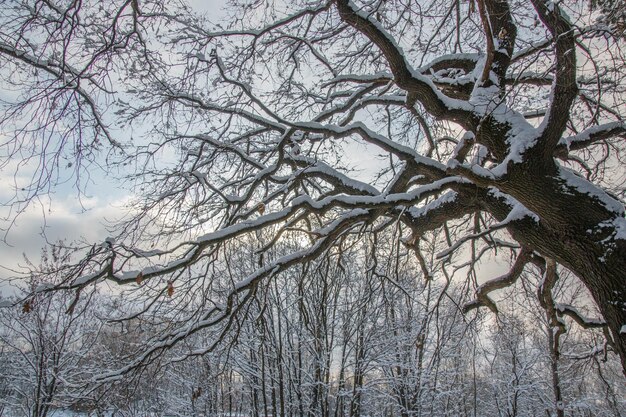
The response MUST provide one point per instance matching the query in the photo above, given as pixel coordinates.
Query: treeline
(356, 333)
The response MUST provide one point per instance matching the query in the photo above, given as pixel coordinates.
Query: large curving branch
(419, 87)
(564, 87)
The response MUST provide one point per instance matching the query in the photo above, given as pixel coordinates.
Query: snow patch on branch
(518, 210)
(573, 181)
(359, 78)
(448, 197)
(149, 253)
(323, 168)
(487, 100)
(475, 57)
(522, 137)
(618, 225)
(581, 318)
(79, 281)
(587, 134)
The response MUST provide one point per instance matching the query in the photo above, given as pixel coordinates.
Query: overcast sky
(64, 215)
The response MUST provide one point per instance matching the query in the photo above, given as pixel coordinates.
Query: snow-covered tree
(496, 125)
(43, 342)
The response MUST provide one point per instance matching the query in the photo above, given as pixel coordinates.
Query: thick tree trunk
(576, 226)
(579, 231)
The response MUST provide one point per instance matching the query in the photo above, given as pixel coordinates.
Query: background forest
(355, 334)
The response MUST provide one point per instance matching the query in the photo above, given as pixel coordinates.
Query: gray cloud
(64, 219)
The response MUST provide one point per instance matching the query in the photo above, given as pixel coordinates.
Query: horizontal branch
(589, 137)
(584, 322)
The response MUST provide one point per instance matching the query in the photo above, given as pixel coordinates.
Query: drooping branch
(226, 312)
(503, 281)
(194, 249)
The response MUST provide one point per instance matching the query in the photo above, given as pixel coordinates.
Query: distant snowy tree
(43, 340)
(305, 127)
